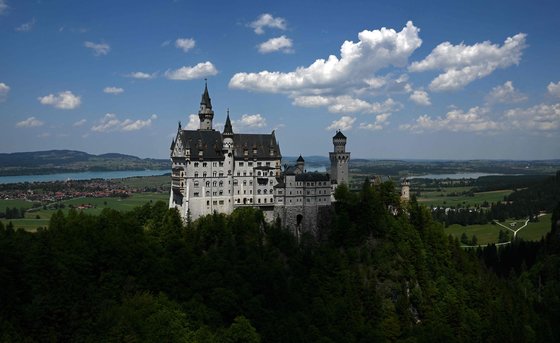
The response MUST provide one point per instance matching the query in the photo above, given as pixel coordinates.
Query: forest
(382, 271)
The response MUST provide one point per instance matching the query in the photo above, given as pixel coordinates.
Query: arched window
(196, 183)
(214, 183)
(265, 191)
(207, 183)
(196, 174)
(221, 183)
(259, 191)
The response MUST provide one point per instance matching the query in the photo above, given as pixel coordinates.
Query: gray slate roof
(314, 176)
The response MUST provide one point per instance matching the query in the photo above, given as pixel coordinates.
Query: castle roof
(207, 141)
(228, 129)
(339, 135)
(300, 159)
(313, 176)
(206, 98)
(261, 143)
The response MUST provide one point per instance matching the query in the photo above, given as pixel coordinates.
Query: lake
(457, 176)
(121, 174)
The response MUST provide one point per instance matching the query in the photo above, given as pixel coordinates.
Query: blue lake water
(457, 176)
(121, 174)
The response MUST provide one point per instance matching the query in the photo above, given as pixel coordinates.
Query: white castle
(216, 171)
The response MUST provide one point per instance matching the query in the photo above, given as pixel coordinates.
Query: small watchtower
(339, 159)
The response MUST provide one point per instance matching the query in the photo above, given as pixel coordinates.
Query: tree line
(381, 271)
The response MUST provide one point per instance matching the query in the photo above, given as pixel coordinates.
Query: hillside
(61, 161)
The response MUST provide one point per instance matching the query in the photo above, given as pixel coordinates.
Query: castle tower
(339, 159)
(300, 165)
(205, 114)
(405, 190)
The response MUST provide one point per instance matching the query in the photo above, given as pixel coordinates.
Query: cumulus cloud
(281, 43)
(3, 6)
(267, 20)
(141, 75)
(553, 89)
(344, 123)
(25, 27)
(4, 90)
(30, 122)
(462, 64)
(249, 121)
(420, 97)
(347, 104)
(110, 122)
(375, 50)
(79, 123)
(505, 93)
(380, 122)
(63, 100)
(194, 122)
(200, 70)
(113, 90)
(542, 117)
(476, 119)
(185, 44)
(98, 49)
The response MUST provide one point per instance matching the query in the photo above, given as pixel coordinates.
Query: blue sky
(406, 79)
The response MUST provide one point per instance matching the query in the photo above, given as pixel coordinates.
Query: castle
(216, 171)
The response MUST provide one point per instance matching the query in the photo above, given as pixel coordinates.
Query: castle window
(250, 182)
(259, 200)
(214, 193)
(244, 173)
(214, 183)
(235, 182)
(259, 164)
(268, 164)
(207, 202)
(221, 183)
(259, 173)
(214, 164)
(195, 194)
(196, 164)
(250, 164)
(244, 182)
(221, 174)
(196, 174)
(215, 202)
(204, 174)
(264, 191)
(229, 172)
(241, 164)
(271, 173)
(221, 202)
(221, 192)
(271, 191)
(207, 193)
(204, 164)
(207, 183)
(238, 173)
(258, 191)
(214, 174)
(196, 183)
(221, 164)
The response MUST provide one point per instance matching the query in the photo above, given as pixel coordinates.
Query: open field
(40, 218)
(445, 198)
(488, 233)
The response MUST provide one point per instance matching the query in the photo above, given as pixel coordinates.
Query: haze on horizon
(407, 80)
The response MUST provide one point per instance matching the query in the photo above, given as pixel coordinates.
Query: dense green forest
(143, 276)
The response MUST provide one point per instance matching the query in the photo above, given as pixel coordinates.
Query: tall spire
(228, 129)
(205, 114)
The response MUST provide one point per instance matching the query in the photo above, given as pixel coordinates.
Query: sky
(401, 79)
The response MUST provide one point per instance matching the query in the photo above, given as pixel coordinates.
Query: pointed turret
(205, 114)
(228, 129)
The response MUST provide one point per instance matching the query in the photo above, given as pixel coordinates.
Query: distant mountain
(60, 161)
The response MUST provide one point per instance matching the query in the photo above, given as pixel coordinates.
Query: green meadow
(446, 197)
(40, 217)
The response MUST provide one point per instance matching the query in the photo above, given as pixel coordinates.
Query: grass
(444, 199)
(31, 223)
(535, 231)
(147, 181)
(488, 233)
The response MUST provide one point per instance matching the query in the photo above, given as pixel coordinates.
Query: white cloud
(113, 90)
(553, 89)
(98, 49)
(463, 64)
(267, 20)
(249, 121)
(79, 123)
(281, 43)
(63, 100)
(110, 122)
(190, 73)
(540, 117)
(344, 123)
(3, 6)
(25, 27)
(375, 50)
(505, 93)
(4, 90)
(194, 122)
(30, 122)
(347, 104)
(141, 75)
(379, 124)
(474, 120)
(166, 43)
(185, 44)
(420, 97)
